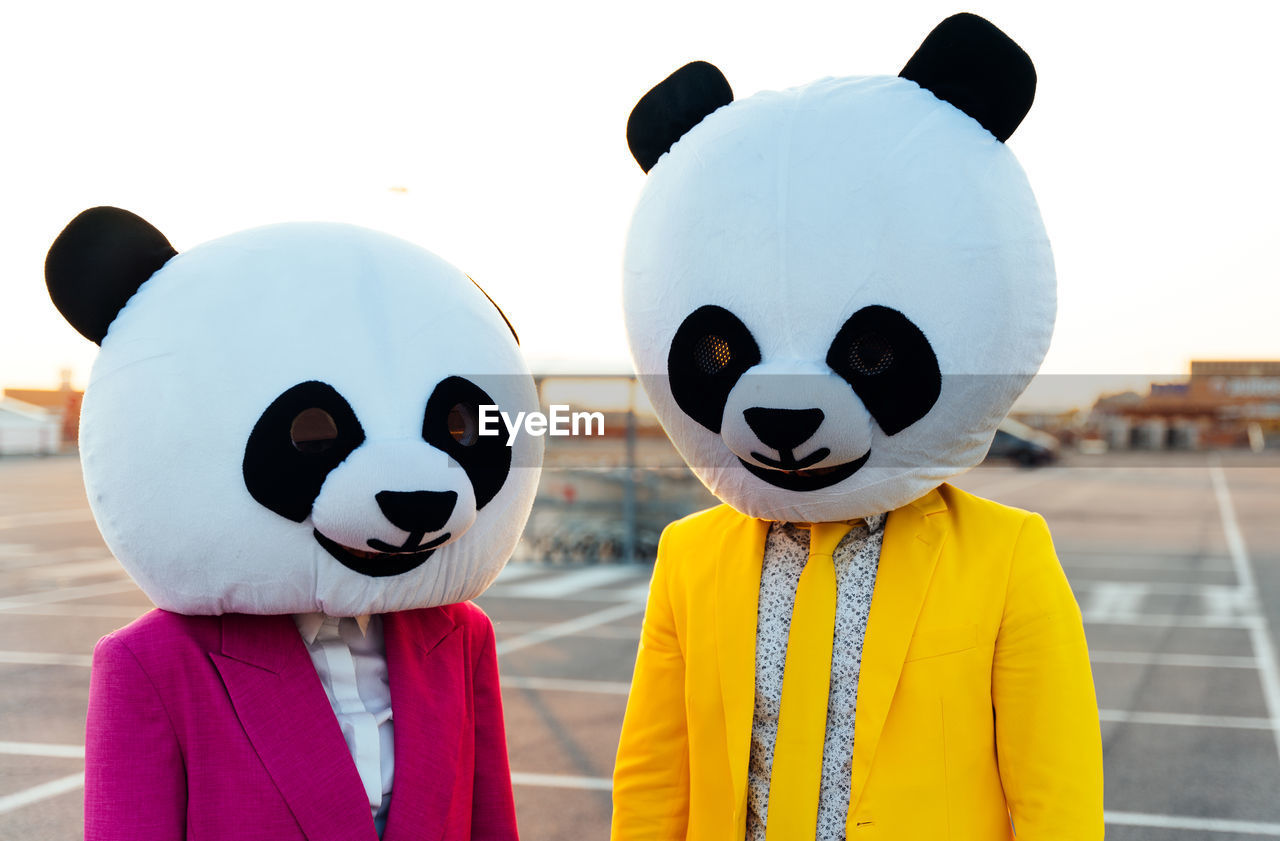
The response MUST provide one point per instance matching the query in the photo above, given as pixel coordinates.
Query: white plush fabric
(209, 341)
(793, 210)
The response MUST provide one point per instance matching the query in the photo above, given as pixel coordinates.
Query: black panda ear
(98, 262)
(966, 61)
(667, 113)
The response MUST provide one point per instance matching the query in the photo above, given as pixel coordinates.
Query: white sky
(1153, 147)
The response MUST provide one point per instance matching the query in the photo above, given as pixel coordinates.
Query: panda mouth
(381, 563)
(806, 478)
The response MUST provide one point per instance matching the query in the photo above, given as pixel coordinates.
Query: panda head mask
(834, 293)
(284, 420)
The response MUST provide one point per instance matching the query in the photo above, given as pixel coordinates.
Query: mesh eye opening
(313, 431)
(712, 354)
(870, 354)
(463, 425)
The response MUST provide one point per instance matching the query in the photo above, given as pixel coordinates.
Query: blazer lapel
(913, 539)
(284, 711)
(741, 556)
(430, 686)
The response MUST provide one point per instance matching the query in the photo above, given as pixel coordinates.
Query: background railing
(605, 499)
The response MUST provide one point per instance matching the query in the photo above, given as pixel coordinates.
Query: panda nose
(783, 429)
(417, 511)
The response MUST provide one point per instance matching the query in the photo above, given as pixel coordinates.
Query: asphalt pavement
(1175, 562)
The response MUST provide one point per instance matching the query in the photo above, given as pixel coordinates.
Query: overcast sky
(494, 135)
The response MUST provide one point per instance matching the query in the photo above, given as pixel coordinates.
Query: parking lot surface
(1175, 564)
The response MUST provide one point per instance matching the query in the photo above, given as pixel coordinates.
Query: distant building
(62, 405)
(27, 430)
(1230, 403)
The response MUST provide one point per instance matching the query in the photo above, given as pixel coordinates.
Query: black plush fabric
(710, 351)
(385, 560)
(98, 262)
(670, 110)
(890, 364)
(783, 429)
(417, 511)
(970, 63)
(285, 475)
(805, 481)
(485, 458)
(514, 335)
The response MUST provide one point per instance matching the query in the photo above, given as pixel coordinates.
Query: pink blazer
(217, 727)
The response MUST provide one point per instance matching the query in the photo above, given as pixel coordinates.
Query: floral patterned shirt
(856, 559)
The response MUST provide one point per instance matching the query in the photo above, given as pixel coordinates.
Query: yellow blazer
(976, 709)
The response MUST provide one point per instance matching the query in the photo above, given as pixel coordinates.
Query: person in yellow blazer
(975, 700)
(834, 294)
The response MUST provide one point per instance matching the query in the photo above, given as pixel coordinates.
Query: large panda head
(285, 419)
(834, 293)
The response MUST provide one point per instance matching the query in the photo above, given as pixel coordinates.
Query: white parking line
(569, 628)
(1226, 722)
(42, 749)
(563, 584)
(1223, 825)
(46, 518)
(562, 781)
(1231, 529)
(66, 594)
(1163, 563)
(601, 687)
(1113, 598)
(44, 791)
(514, 572)
(635, 593)
(1142, 658)
(1259, 633)
(611, 596)
(1104, 601)
(80, 611)
(13, 559)
(1174, 620)
(509, 627)
(76, 569)
(1107, 556)
(45, 658)
(1022, 479)
(1217, 593)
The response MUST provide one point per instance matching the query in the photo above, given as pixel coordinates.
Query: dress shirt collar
(309, 624)
(873, 522)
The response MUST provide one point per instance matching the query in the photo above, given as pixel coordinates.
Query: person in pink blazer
(281, 444)
(218, 725)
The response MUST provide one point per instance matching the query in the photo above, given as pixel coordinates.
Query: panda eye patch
(451, 425)
(304, 434)
(710, 352)
(313, 431)
(890, 364)
(463, 427)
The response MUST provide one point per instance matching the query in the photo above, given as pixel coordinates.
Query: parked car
(1020, 443)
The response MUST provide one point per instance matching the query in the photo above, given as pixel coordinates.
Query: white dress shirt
(351, 660)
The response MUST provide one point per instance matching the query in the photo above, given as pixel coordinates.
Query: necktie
(796, 776)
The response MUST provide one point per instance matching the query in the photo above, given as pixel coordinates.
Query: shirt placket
(359, 726)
